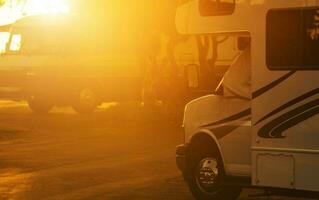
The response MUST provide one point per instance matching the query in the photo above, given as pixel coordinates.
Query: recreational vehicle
(67, 60)
(259, 127)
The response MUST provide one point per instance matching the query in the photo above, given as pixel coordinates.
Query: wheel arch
(207, 137)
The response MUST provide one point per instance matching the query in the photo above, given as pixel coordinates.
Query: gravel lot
(117, 153)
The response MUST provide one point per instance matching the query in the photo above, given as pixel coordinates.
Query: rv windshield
(46, 40)
(62, 40)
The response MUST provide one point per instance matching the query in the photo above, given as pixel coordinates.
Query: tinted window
(293, 39)
(311, 38)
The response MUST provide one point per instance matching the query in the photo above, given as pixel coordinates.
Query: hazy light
(13, 10)
(34, 7)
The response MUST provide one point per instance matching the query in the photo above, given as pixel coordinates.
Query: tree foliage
(2, 2)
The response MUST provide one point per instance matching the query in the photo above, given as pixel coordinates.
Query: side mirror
(243, 43)
(216, 7)
(191, 72)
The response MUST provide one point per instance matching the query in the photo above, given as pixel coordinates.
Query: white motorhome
(262, 129)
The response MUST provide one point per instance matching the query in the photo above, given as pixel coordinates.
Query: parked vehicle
(56, 60)
(62, 60)
(259, 128)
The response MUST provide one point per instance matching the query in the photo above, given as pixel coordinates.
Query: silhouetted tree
(2, 2)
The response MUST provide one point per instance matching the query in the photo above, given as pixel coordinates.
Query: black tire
(208, 187)
(40, 104)
(85, 102)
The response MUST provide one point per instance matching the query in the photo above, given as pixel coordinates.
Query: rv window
(15, 44)
(4, 38)
(216, 7)
(293, 39)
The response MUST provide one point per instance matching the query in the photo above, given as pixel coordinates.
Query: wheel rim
(207, 174)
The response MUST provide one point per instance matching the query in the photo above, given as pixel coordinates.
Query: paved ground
(117, 153)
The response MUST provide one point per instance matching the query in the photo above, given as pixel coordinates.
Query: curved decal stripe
(237, 116)
(276, 127)
(221, 132)
(290, 103)
(272, 85)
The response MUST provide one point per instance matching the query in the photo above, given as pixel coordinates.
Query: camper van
(54, 60)
(259, 127)
(71, 60)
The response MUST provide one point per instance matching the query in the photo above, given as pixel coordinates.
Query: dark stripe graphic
(271, 85)
(242, 114)
(276, 127)
(222, 131)
(290, 103)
